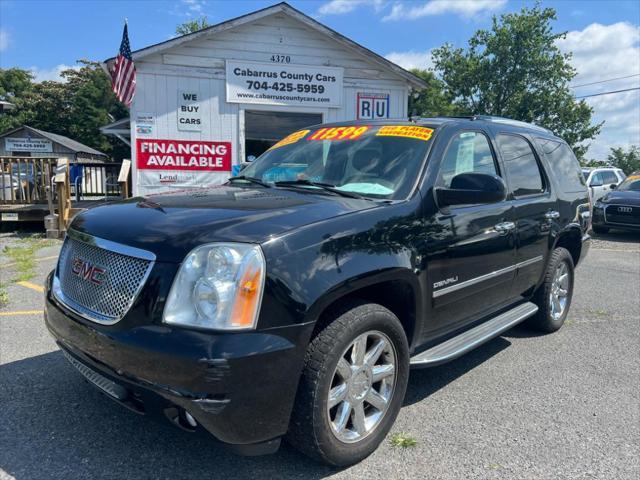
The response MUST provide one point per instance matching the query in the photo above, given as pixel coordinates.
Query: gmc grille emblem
(625, 209)
(88, 271)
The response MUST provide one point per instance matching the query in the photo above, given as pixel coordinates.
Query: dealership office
(209, 100)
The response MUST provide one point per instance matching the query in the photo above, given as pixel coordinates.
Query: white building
(209, 100)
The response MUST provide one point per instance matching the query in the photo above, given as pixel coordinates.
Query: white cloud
(411, 59)
(42, 74)
(463, 8)
(340, 7)
(4, 40)
(603, 52)
(195, 6)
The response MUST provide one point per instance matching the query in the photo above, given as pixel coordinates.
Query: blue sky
(46, 36)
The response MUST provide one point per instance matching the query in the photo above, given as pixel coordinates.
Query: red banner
(192, 155)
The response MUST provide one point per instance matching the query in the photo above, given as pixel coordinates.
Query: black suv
(292, 301)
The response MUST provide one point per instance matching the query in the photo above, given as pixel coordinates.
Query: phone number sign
(278, 84)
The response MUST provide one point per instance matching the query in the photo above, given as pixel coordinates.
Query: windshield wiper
(257, 181)
(327, 187)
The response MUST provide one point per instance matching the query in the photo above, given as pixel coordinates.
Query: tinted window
(467, 152)
(522, 167)
(609, 177)
(564, 166)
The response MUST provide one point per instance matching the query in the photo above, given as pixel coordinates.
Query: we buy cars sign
(181, 163)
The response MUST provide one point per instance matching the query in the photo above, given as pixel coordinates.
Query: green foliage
(628, 161)
(433, 100)
(592, 163)
(516, 70)
(403, 440)
(76, 107)
(192, 26)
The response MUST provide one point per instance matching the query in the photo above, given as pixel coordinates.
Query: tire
(315, 428)
(600, 230)
(549, 317)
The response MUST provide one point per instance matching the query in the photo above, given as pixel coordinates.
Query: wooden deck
(35, 212)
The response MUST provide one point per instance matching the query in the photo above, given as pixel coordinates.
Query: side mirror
(596, 183)
(472, 188)
(613, 186)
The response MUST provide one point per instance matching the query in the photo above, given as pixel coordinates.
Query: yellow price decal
(339, 133)
(409, 131)
(289, 139)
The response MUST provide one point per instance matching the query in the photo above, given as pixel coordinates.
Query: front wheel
(554, 295)
(352, 386)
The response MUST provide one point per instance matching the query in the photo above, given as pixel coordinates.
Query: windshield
(630, 184)
(585, 174)
(372, 161)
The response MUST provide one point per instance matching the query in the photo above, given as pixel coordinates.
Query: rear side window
(468, 152)
(523, 171)
(608, 177)
(564, 166)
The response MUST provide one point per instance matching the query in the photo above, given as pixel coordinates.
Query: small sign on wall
(372, 105)
(28, 144)
(189, 115)
(145, 123)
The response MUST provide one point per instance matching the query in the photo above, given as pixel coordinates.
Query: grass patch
(403, 440)
(4, 296)
(23, 257)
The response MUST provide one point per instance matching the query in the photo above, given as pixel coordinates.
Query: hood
(171, 225)
(629, 197)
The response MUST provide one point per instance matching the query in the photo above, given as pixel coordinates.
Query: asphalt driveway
(524, 405)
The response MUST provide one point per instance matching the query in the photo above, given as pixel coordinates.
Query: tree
(628, 161)
(76, 107)
(192, 26)
(433, 100)
(516, 70)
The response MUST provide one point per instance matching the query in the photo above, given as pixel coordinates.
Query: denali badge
(88, 271)
(625, 209)
(448, 281)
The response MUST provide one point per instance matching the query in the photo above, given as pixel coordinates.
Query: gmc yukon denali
(292, 301)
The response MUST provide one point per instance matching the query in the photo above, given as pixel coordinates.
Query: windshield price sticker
(339, 133)
(292, 138)
(408, 131)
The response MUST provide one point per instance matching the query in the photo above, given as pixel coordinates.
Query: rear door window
(564, 165)
(523, 170)
(467, 152)
(609, 177)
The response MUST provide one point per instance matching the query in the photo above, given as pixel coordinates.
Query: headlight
(218, 286)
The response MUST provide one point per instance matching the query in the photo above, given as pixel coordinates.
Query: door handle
(504, 227)
(551, 214)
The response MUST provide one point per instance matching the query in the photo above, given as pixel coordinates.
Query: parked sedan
(619, 208)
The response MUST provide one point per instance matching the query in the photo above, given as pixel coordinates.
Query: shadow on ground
(55, 425)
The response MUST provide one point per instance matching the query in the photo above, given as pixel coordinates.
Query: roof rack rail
(510, 121)
(486, 118)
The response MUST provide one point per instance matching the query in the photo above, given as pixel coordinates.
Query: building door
(262, 129)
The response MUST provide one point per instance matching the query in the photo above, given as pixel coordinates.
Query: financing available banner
(283, 84)
(165, 164)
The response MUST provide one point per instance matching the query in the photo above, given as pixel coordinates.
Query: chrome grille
(96, 281)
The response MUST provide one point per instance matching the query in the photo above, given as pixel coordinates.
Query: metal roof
(287, 9)
(60, 139)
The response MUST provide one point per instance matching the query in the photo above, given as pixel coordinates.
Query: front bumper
(600, 218)
(238, 386)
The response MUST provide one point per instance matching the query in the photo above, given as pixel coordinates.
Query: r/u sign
(372, 105)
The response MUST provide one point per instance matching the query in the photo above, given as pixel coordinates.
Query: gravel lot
(522, 406)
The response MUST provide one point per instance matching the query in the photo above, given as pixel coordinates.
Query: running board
(466, 341)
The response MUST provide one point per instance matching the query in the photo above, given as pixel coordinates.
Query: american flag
(123, 76)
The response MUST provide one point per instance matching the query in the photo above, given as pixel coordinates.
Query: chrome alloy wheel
(559, 291)
(362, 386)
